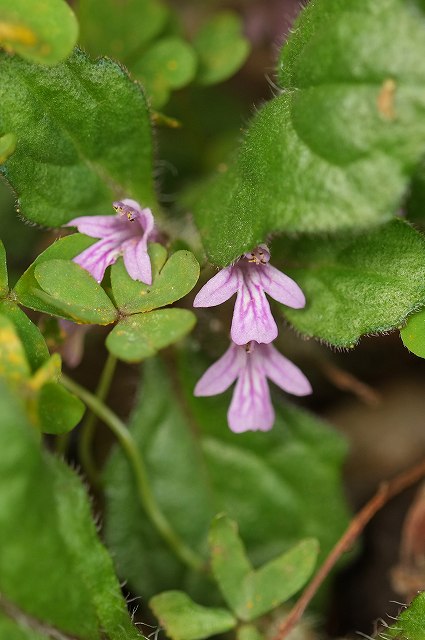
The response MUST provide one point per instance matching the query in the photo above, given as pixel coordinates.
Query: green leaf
(413, 334)
(58, 410)
(36, 350)
(410, 624)
(4, 283)
(291, 476)
(183, 619)
(43, 31)
(249, 632)
(357, 285)
(168, 64)
(335, 150)
(76, 155)
(14, 365)
(75, 292)
(108, 28)
(252, 593)
(27, 289)
(46, 529)
(171, 281)
(7, 146)
(140, 336)
(221, 47)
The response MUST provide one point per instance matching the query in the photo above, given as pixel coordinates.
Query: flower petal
(137, 260)
(251, 408)
(252, 318)
(280, 286)
(222, 373)
(100, 226)
(220, 288)
(283, 372)
(98, 257)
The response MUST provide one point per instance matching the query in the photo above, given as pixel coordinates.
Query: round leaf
(58, 410)
(171, 281)
(142, 335)
(413, 334)
(74, 292)
(43, 31)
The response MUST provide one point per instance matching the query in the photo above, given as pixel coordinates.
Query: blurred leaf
(28, 290)
(141, 335)
(335, 150)
(168, 64)
(31, 337)
(415, 203)
(221, 47)
(413, 334)
(4, 284)
(58, 410)
(252, 593)
(73, 290)
(46, 529)
(357, 285)
(290, 476)
(119, 29)
(43, 31)
(171, 281)
(13, 362)
(7, 146)
(249, 632)
(410, 624)
(183, 619)
(76, 154)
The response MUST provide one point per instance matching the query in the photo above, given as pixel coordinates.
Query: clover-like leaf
(244, 476)
(251, 593)
(413, 334)
(335, 150)
(169, 64)
(141, 335)
(109, 29)
(171, 281)
(356, 285)
(47, 529)
(83, 137)
(43, 32)
(184, 619)
(74, 292)
(58, 409)
(63, 296)
(221, 48)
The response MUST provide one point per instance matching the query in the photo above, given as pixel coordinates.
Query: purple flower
(251, 277)
(251, 408)
(126, 233)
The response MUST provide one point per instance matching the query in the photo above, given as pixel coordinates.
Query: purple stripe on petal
(137, 260)
(222, 373)
(97, 258)
(282, 371)
(100, 226)
(280, 286)
(219, 289)
(252, 318)
(251, 408)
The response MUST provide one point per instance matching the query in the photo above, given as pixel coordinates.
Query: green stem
(89, 424)
(125, 438)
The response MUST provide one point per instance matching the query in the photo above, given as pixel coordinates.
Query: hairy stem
(386, 491)
(89, 424)
(147, 499)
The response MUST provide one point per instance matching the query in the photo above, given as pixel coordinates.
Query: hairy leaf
(43, 31)
(183, 619)
(244, 475)
(83, 137)
(410, 624)
(46, 529)
(336, 149)
(357, 285)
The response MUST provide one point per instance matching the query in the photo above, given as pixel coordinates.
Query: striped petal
(251, 408)
(98, 257)
(252, 318)
(220, 288)
(284, 373)
(137, 260)
(280, 286)
(222, 373)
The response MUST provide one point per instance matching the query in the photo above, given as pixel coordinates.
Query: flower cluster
(251, 358)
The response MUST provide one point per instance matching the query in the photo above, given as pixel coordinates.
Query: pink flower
(251, 408)
(251, 278)
(126, 233)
